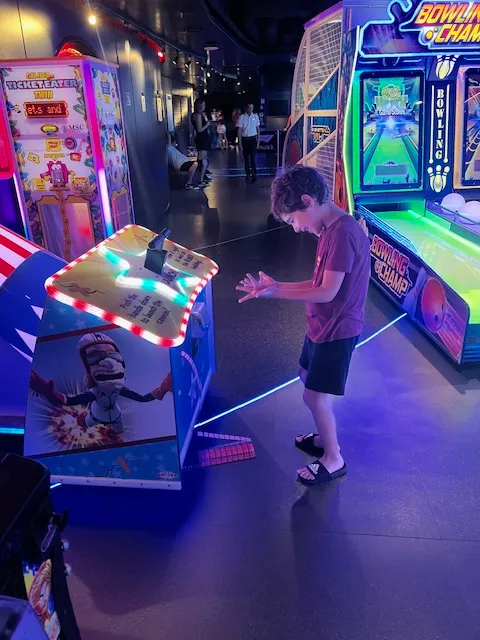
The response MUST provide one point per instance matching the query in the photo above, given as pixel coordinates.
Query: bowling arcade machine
(122, 362)
(61, 123)
(407, 137)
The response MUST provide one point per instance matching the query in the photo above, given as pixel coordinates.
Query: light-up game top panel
(110, 281)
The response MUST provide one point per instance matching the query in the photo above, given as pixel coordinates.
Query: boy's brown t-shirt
(343, 246)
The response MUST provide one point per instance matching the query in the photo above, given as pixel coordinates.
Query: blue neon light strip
(11, 431)
(289, 382)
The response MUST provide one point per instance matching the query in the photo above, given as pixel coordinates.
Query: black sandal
(307, 445)
(321, 475)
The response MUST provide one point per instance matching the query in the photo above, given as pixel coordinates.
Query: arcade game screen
(391, 129)
(471, 133)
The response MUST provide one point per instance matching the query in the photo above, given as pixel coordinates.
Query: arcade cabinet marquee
(407, 154)
(61, 119)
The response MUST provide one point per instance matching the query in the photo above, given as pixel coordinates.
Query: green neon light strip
(455, 259)
(346, 129)
(461, 243)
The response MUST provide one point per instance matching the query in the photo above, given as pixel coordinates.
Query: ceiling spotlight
(239, 83)
(188, 62)
(204, 91)
(209, 75)
(176, 59)
(162, 55)
(224, 79)
(92, 19)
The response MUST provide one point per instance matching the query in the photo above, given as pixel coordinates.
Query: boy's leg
(303, 373)
(320, 405)
(325, 371)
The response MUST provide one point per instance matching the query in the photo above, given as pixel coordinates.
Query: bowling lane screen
(471, 129)
(391, 130)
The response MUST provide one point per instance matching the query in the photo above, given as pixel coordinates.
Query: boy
(335, 300)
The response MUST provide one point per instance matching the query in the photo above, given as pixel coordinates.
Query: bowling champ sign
(427, 299)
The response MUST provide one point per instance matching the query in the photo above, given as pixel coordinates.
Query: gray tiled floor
(390, 552)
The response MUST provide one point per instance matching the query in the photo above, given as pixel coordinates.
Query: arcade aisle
(391, 551)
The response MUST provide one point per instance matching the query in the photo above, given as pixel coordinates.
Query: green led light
(448, 233)
(348, 183)
(113, 258)
(144, 284)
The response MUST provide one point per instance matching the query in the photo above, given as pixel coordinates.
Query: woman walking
(201, 126)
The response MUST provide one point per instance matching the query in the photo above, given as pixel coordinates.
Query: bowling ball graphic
(434, 305)
(294, 153)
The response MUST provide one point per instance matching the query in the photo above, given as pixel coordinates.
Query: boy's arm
(326, 292)
(306, 284)
(304, 291)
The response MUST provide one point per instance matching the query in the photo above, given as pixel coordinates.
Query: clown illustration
(105, 381)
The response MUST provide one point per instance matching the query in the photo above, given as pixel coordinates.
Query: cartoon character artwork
(38, 581)
(105, 381)
(57, 173)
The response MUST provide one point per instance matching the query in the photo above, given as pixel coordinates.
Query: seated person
(179, 162)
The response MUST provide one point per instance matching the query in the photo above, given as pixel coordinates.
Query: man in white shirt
(248, 135)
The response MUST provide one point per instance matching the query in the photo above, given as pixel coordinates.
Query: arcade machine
(61, 120)
(122, 362)
(24, 267)
(311, 139)
(32, 568)
(408, 157)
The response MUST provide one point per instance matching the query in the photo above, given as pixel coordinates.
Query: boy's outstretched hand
(264, 287)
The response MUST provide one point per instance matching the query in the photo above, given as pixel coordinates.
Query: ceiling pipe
(152, 34)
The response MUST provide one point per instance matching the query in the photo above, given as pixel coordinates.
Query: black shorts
(327, 364)
(186, 166)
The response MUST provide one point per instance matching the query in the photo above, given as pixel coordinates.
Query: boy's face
(309, 219)
(299, 220)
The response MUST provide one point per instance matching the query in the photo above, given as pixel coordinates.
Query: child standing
(335, 300)
(222, 135)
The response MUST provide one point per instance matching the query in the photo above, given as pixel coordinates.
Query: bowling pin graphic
(438, 178)
(445, 66)
(411, 299)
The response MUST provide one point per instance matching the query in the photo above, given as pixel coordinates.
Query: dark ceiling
(246, 31)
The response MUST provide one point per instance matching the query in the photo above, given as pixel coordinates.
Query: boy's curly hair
(288, 189)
